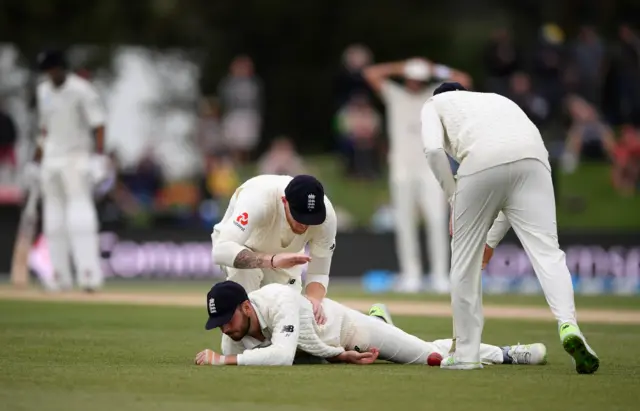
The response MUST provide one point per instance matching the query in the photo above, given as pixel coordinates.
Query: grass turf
(58, 356)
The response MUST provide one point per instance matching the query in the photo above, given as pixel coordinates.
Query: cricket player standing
(269, 325)
(266, 227)
(71, 118)
(504, 180)
(412, 184)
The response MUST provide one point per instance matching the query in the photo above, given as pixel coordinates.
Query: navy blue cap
(305, 196)
(449, 86)
(222, 301)
(49, 59)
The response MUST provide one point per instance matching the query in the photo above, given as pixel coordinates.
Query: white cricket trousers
(524, 192)
(70, 221)
(411, 193)
(400, 347)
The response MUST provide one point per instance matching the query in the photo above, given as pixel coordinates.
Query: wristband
(441, 71)
(272, 257)
(220, 361)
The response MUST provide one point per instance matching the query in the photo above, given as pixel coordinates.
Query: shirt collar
(261, 320)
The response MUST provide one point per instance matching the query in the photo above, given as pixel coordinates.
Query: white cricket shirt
(68, 114)
(255, 219)
(480, 130)
(287, 322)
(403, 126)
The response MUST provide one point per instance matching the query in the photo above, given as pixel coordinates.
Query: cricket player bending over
(263, 234)
(71, 118)
(269, 325)
(504, 180)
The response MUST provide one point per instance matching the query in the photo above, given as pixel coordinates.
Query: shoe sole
(586, 363)
(465, 367)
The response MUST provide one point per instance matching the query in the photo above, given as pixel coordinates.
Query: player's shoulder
(43, 86)
(273, 292)
(266, 183)
(80, 84)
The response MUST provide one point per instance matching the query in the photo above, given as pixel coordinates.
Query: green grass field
(73, 356)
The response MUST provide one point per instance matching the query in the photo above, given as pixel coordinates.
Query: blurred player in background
(412, 184)
(504, 180)
(269, 325)
(72, 126)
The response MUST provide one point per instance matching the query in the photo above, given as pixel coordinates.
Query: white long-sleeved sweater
(287, 322)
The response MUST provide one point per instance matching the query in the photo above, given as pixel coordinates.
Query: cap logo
(212, 306)
(311, 202)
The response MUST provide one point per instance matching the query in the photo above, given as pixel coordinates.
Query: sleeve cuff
(318, 278)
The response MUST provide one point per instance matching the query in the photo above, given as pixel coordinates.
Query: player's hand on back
(318, 312)
(288, 260)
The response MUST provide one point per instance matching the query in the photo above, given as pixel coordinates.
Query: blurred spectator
(502, 60)
(627, 69)
(531, 103)
(588, 135)
(221, 178)
(549, 65)
(281, 159)
(210, 137)
(359, 126)
(626, 167)
(587, 59)
(8, 138)
(350, 80)
(241, 97)
(143, 182)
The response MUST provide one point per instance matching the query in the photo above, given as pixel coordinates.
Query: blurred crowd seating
(582, 92)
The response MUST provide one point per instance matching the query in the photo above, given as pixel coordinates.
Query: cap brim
(218, 321)
(316, 218)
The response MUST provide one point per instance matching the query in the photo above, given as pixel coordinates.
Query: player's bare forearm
(378, 73)
(249, 259)
(231, 360)
(99, 137)
(315, 290)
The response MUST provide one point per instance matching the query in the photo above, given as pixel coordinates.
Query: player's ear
(246, 308)
(284, 200)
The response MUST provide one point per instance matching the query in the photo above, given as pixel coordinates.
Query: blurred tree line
(297, 45)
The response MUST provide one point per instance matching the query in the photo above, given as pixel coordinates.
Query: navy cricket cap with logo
(222, 301)
(449, 86)
(305, 196)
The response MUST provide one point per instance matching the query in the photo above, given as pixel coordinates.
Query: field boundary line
(406, 308)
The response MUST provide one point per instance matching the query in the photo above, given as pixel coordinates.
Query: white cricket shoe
(450, 363)
(529, 354)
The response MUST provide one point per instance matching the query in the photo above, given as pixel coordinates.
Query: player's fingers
(320, 318)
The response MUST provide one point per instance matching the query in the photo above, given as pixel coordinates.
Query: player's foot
(530, 354)
(409, 285)
(450, 363)
(440, 285)
(381, 311)
(574, 343)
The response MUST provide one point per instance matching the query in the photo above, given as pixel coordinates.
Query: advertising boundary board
(600, 262)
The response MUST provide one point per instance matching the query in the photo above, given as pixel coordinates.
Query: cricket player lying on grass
(268, 326)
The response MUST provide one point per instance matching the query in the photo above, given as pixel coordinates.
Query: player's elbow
(224, 252)
(284, 356)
